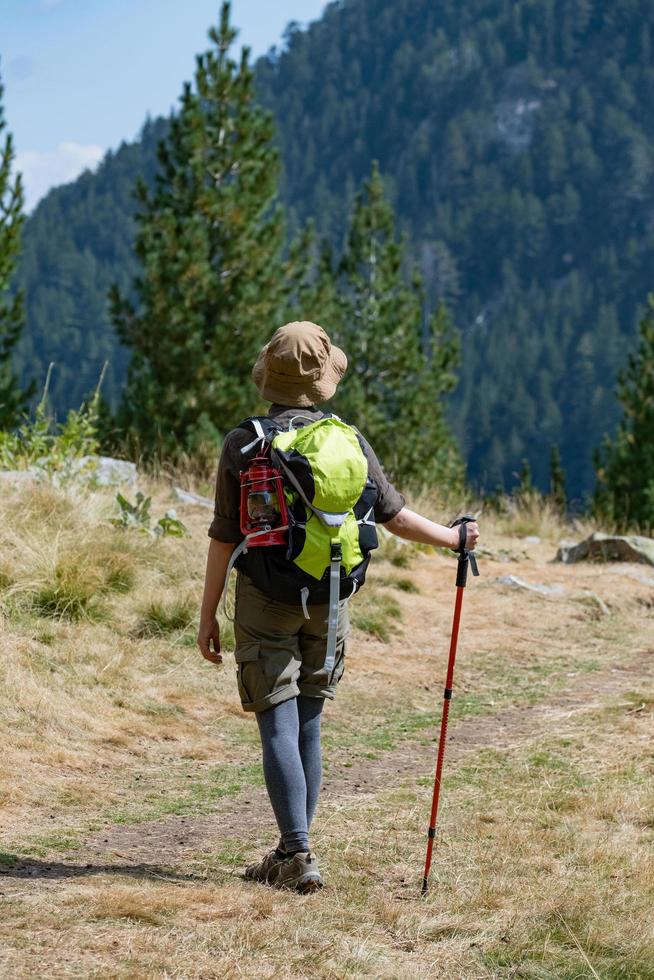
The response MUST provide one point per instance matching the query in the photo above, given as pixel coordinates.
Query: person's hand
(472, 536)
(208, 635)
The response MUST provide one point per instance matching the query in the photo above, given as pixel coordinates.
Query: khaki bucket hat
(299, 366)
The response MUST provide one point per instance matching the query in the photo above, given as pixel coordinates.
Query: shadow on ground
(13, 866)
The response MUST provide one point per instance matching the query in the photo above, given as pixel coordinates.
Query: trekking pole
(465, 558)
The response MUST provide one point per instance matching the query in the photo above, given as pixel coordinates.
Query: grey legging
(292, 766)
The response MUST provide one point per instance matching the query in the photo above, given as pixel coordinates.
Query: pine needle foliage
(401, 363)
(558, 495)
(209, 243)
(624, 494)
(12, 302)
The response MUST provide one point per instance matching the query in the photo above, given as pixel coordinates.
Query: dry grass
(131, 789)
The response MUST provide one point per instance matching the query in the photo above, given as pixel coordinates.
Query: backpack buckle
(336, 551)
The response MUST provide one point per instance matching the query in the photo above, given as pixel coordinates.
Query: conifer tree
(310, 279)
(399, 366)
(12, 309)
(209, 242)
(525, 482)
(624, 493)
(558, 494)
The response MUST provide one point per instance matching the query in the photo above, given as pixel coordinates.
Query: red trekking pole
(465, 558)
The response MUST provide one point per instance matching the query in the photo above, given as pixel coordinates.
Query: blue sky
(80, 76)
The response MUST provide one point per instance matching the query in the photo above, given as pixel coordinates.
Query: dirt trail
(247, 811)
(155, 848)
(499, 620)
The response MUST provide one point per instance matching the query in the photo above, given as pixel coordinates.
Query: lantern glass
(263, 507)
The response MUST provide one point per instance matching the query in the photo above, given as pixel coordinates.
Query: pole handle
(466, 558)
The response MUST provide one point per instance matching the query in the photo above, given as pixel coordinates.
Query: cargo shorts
(279, 652)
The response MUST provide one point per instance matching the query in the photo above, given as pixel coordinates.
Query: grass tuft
(403, 584)
(377, 615)
(71, 593)
(121, 575)
(162, 617)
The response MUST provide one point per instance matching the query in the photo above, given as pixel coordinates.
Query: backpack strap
(265, 430)
(260, 437)
(335, 559)
(290, 426)
(240, 549)
(236, 553)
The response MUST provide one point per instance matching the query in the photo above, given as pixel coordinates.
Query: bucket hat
(299, 366)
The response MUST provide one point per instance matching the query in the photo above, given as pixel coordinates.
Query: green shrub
(51, 449)
(138, 516)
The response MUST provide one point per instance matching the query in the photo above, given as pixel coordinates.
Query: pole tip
(425, 886)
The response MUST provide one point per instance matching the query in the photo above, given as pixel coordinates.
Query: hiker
(290, 649)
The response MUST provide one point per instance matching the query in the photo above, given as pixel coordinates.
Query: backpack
(330, 500)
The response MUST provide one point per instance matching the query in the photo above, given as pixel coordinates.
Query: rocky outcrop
(609, 547)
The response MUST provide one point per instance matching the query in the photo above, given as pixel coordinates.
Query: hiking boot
(299, 873)
(265, 870)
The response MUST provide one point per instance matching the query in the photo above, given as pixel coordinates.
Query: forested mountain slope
(76, 244)
(517, 141)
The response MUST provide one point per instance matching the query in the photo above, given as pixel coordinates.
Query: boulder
(109, 472)
(609, 547)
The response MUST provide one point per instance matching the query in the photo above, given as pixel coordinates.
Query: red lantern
(264, 514)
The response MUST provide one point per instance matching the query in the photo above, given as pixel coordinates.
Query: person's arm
(413, 527)
(214, 582)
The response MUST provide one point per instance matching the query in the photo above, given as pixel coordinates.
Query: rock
(513, 582)
(636, 576)
(186, 497)
(594, 601)
(532, 539)
(16, 476)
(109, 472)
(609, 547)
(504, 555)
(105, 470)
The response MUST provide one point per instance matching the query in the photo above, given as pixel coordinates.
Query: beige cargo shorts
(279, 652)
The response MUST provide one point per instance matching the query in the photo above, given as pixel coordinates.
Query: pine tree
(558, 494)
(624, 493)
(525, 481)
(209, 242)
(12, 305)
(310, 279)
(399, 366)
